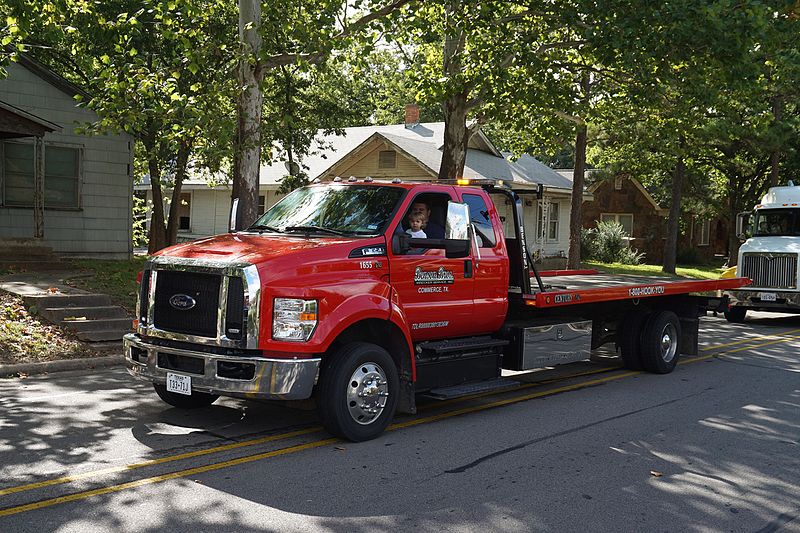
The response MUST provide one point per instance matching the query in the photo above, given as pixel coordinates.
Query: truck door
(435, 292)
(490, 262)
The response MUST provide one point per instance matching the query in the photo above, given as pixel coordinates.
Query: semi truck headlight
(293, 319)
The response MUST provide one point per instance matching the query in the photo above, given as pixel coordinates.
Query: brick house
(625, 200)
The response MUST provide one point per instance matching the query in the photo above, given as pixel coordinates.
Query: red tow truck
(327, 295)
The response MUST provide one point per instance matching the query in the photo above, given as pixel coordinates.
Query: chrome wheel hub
(367, 392)
(669, 343)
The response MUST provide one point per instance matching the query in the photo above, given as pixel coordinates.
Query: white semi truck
(769, 255)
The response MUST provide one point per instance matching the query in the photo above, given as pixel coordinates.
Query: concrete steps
(92, 317)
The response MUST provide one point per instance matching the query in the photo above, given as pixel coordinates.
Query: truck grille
(199, 319)
(774, 271)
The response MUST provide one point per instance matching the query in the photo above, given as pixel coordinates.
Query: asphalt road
(714, 446)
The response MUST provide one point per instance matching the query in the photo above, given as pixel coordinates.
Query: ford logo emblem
(182, 302)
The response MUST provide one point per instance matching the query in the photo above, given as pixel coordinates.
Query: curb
(61, 366)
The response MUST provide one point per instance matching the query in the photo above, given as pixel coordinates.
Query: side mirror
(743, 228)
(234, 213)
(457, 230)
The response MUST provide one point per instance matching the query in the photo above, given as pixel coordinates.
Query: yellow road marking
(751, 339)
(763, 344)
(301, 447)
(162, 460)
(165, 477)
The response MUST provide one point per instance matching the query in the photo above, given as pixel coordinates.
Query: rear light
(139, 277)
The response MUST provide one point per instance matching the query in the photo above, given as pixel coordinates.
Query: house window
(617, 184)
(61, 175)
(704, 233)
(262, 204)
(387, 159)
(623, 219)
(548, 211)
(184, 212)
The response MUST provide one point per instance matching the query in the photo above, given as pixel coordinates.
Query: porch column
(38, 188)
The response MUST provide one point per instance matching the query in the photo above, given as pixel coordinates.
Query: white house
(85, 182)
(408, 151)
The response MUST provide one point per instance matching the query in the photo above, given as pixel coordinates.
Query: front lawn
(689, 271)
(115, 278)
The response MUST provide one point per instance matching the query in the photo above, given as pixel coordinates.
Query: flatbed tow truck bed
(563, 288)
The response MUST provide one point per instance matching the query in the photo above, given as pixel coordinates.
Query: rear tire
(736, 314)
(660, 344)
(358, 391)
(195, 401)
(629, 335)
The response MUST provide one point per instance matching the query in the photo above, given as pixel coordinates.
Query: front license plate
(768, 296)
(180, 384)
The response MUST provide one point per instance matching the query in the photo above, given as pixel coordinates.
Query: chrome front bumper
(752, 299)
(278, 379)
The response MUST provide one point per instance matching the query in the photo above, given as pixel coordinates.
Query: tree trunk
(174, 206)
(775, 157)
(671, 246)
(158, 233)
(454, 151)
(249, 109)
(575, 215)
(456, 138)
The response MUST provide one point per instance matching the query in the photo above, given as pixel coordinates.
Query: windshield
(773, 222)
(333, 209)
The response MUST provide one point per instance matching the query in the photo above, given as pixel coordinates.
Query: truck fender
(364, 307)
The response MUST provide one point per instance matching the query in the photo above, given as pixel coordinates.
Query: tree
(307, 31)
(154, 70)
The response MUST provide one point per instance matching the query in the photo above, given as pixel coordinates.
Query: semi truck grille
(774, 271)
(187, 302)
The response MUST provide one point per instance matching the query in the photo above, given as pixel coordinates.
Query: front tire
(660, 344)
(195, 401)
(357, 392)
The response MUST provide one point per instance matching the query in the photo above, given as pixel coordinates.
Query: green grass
(689, 271)
(115, 278)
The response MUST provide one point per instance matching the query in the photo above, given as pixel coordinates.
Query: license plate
(180, 384)
(767, 296)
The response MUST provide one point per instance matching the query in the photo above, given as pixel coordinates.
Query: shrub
(608, 243)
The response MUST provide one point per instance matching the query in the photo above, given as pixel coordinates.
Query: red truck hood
(250, 248)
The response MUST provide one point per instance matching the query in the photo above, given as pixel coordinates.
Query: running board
(467, 389)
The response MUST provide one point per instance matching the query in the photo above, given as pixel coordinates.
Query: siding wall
(102, 225)
(365, 163)
(210, 211)
(550, 248)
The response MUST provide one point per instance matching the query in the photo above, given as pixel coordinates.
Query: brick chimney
(412, 115)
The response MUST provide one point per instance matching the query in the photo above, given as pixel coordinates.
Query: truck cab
(769, 255)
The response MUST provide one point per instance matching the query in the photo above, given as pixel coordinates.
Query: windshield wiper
(309, 229)
(264, 227)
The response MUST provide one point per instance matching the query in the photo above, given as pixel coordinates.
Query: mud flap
(407, 403)
(689, 334)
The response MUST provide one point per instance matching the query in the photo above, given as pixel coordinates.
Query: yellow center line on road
(153, 462)
(293, 449)
(750, 339)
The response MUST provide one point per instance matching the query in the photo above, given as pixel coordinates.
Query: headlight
(293, 319)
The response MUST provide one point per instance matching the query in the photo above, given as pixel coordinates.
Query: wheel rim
(367, 392)
(669, 342)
